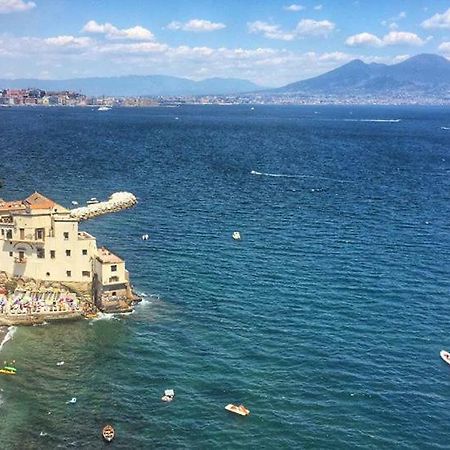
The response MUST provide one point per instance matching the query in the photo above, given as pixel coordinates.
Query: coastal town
(52, 270)
(39, 97)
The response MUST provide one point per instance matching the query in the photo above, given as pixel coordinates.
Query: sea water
(325, 320)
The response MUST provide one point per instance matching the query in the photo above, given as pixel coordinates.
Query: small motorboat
(445, 356)
(8, 370)
(236, 235)
(168, 396)
(145, 237)
(103, 108)
(108, 433)
(241, 409)
(92, 201)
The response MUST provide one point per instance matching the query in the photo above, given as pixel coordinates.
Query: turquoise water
(326, 320)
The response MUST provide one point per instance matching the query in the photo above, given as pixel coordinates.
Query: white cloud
(294, 8)
(318, 7)
(392, 38)
(310, 27)
(444, 48)
(65, 41)
(137, 33)
(438, 21)
(10, 6)
(402, 38)
(364, 39)
(269, 31)
(197, 25)
(306, 27)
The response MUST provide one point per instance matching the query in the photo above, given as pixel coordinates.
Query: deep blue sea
(325, 320)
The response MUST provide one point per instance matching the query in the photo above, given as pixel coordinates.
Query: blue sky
(270, 42)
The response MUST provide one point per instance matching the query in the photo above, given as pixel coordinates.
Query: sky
(270, 42)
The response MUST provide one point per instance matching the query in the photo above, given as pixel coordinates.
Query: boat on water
(236, 235)
(104, 108)
(445, 356)
(168, 396)
(108, 433)
(8, 370)
(241, 409)
(92, 201)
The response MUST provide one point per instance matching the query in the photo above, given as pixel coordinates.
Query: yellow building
(40, 240)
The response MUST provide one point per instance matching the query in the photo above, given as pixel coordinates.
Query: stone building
(40, 241)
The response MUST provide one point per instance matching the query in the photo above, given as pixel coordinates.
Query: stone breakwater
(116, 202)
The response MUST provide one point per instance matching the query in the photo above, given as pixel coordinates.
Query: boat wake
(9, 335)
(282, 175)
(374, 120)
(445, 128)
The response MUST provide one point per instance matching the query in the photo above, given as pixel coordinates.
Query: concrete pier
(116, 202)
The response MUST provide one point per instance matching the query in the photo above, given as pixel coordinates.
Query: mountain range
(421, 76)
(424, 74)
(134, 85)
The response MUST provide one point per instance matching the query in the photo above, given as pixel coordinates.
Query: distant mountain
(420, 75)
(134, 85)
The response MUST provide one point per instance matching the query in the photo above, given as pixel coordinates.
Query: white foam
(278, 175)
(374, 120)
(445, 128)
(103, 316)
(72, 400)
(9, 335)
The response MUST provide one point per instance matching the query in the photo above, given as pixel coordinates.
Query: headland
(50, 270)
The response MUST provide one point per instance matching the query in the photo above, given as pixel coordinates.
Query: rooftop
(105, 256)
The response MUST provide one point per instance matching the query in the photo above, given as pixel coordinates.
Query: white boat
(104, 108)
(241, 409)
(236, 236)
(92, 201)
(445, 356)
(168, 396)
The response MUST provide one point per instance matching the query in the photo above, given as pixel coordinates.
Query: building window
(113, 279)
(113, 293)
(86, 273)
(114, 268)
(47, 274)
(21, 233)
(40, 253)
(10, 253)
(67, 252)
(66, 235)
(9, 234)
(84, 251)
(52, 254)
(39, 234)
(69, 273)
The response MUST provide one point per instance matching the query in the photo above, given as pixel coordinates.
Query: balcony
(19, 260)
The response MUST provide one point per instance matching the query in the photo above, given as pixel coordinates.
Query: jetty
(116, 202)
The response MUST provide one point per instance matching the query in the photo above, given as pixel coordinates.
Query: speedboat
(241, 409)
(92, 201)
(103, 108)
(108, 433)
(236, 235)
(445, 356)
